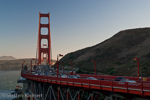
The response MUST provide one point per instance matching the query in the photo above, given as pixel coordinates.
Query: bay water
(8, 82)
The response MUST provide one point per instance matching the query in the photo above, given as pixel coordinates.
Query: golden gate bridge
(55, 87)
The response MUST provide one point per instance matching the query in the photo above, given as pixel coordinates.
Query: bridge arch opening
(44, 20)
(44, 31)
(44, 43)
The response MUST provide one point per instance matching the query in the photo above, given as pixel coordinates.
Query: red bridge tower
(46, 50)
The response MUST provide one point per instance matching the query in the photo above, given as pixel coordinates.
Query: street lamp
(22, 64)
(137, 65)
(31, 64)
(63, 67)
(59, 55)
(71, 66)
(94, 65)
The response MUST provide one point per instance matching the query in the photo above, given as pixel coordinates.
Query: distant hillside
(115, 55)
(16, 64)
(7, 58)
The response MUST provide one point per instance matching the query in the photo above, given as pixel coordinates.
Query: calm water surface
(8, 82)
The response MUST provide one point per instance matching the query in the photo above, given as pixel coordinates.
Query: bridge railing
(135, 88)
(146, 86)
(119, 84)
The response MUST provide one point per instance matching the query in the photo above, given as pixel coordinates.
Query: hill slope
(7, 58)
(115, 55)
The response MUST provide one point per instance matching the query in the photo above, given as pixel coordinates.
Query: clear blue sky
(75, 24)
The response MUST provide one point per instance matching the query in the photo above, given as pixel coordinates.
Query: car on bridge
(91, 78)
(129, 81)
(77, 76)
(64, 76)
(119, 79)
(71, 76)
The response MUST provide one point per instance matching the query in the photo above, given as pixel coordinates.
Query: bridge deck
(142, 89)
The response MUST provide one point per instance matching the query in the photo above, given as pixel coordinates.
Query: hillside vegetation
(115, 56)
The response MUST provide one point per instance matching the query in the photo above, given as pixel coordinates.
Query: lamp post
(94, 65)
(71, 66)
(22, 64)
(31, 64)
(59, 55)
(63, 67)
(137, 65)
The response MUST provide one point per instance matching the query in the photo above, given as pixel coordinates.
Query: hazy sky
(75, 24)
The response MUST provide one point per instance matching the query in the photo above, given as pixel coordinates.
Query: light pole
(63, 67)
(137, 65)
(59, 55)
(94, 65)
(22, 64)
(71, 66)
(31, 64)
